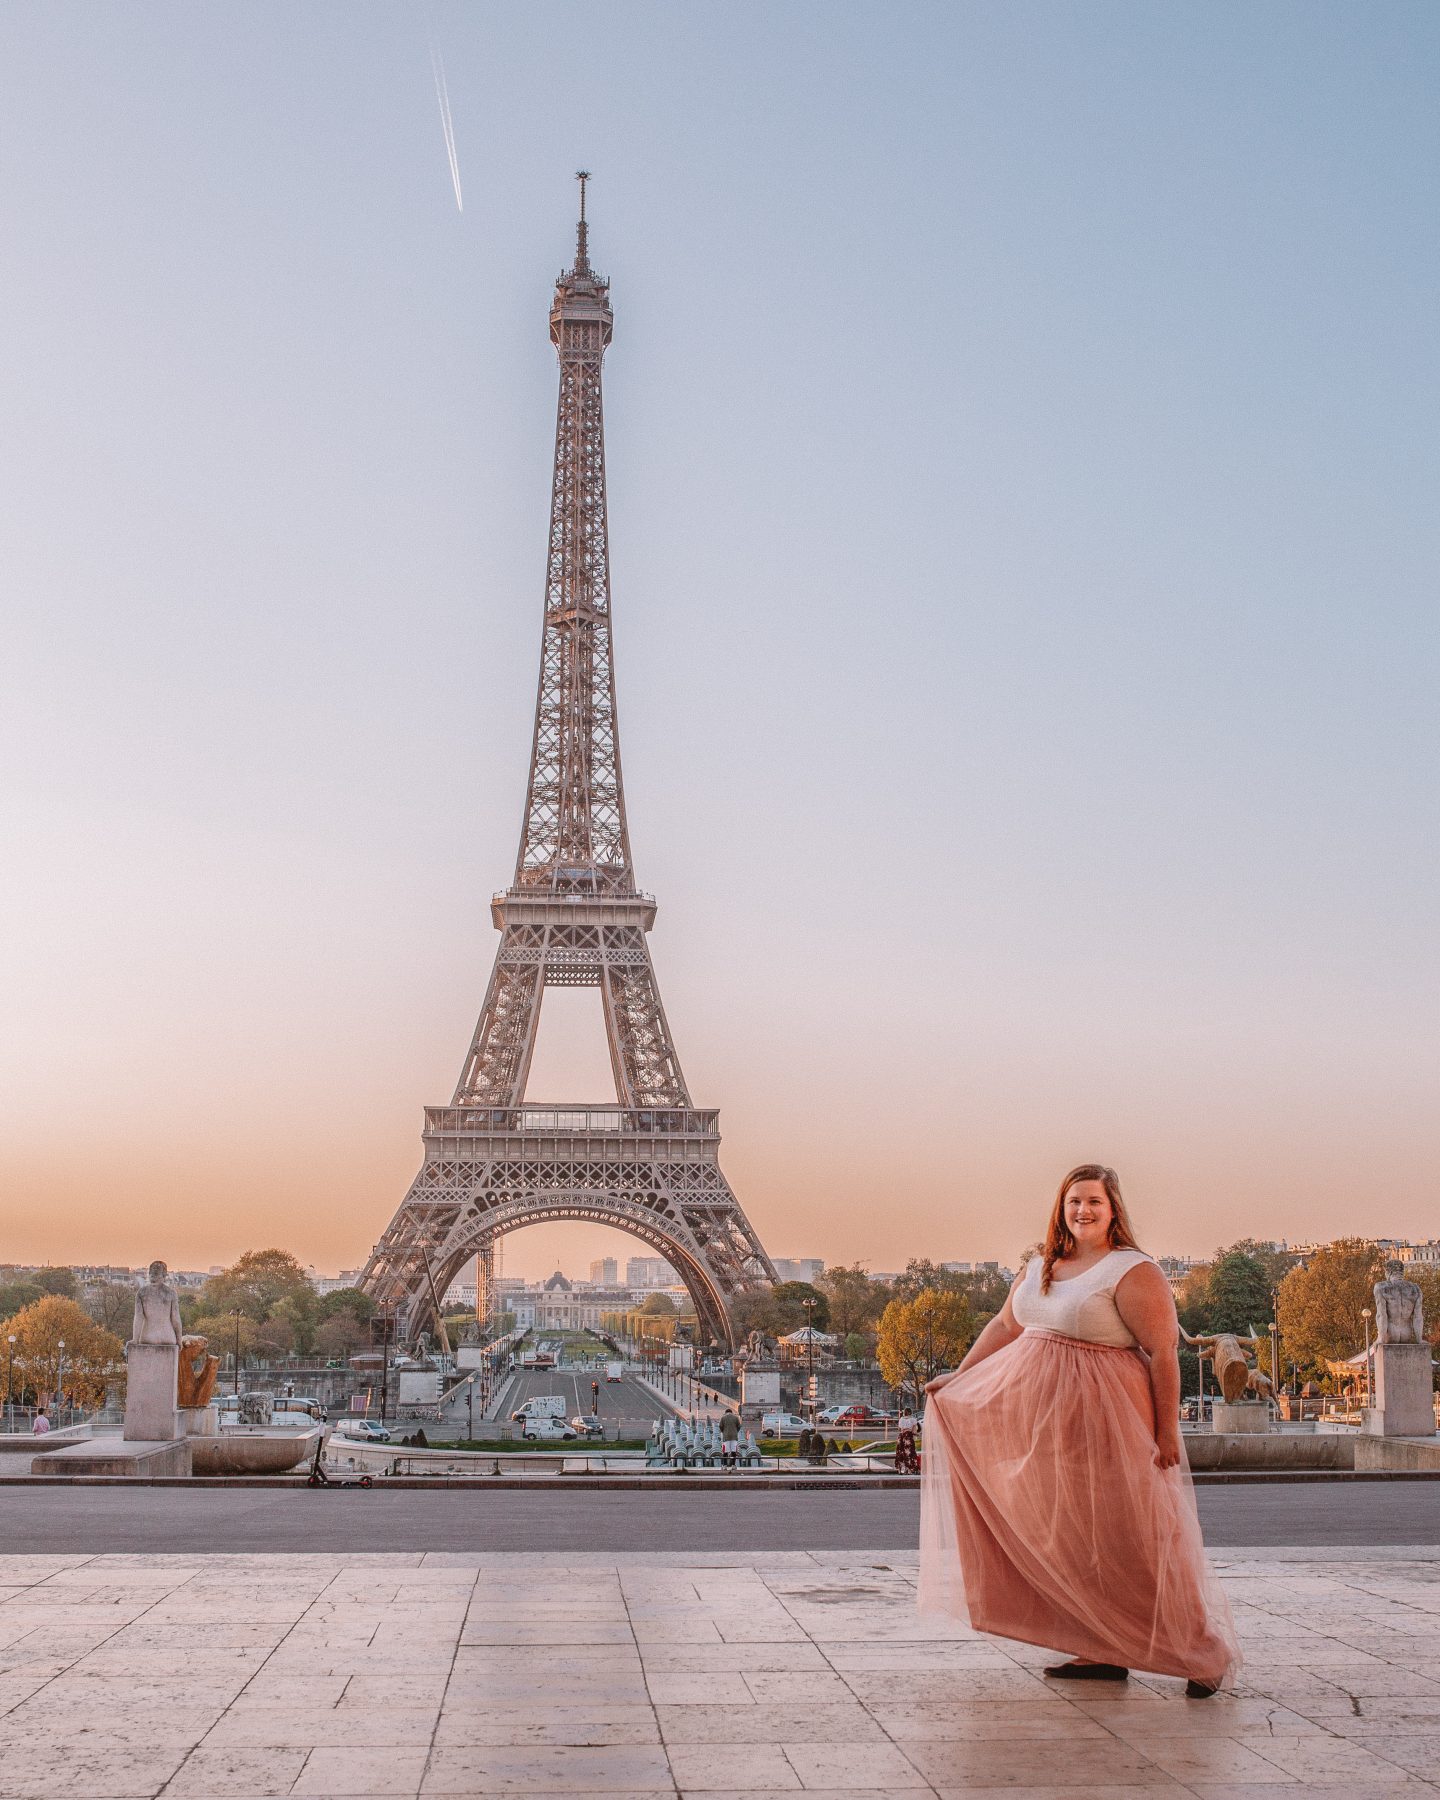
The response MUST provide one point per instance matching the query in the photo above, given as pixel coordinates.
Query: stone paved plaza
(646, 1675)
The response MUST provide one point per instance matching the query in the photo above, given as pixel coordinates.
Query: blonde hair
(1060, 1240)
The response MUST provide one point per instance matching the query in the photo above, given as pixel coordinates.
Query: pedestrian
(1056, 1503)
(729, 1438)
(907, 1460)
(42, 1424)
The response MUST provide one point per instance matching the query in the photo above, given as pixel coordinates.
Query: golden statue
(1233, 1375)
(197, 1373)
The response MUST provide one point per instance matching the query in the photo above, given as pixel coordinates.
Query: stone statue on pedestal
(157, 1310)
(1399, 1308)
(1404, 1374)
(153, 1362)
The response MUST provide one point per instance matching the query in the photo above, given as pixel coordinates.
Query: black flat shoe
(1199, 1690)
(1083, 1671)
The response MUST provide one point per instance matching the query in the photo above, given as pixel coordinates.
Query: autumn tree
(788, 1301)
(92, 1356)
(111, 1304)
(923, 1276)
(54, 1280)
(752, 1310)
(856, 1301)
(985, 1289)
(1321, 1301)
(220, 1334)
(18, 1293)
(1239, 1292)
(257, 1284)
(273, 1292)
(921, 1337)
(341, 1335)
(1428, 1281)
(354, 1301)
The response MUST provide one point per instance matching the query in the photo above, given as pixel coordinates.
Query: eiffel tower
(572, 917)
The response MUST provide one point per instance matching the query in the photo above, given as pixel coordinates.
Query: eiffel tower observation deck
(572, 917)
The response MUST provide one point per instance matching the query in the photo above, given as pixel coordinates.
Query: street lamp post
(236, 1314)
(809, 1306)
(10, 1381)
(1367, 1314)
(59, 1376)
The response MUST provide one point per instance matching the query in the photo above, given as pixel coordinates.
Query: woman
(1056, 1503)
(907, 1457)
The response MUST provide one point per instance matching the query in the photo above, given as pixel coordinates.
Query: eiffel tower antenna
(572, 917)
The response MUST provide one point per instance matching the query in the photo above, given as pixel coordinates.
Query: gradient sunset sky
(1023, 471)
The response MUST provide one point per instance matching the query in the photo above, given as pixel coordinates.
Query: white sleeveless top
(1079, 1306)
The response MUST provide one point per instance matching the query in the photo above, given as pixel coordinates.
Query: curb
(556, 1482)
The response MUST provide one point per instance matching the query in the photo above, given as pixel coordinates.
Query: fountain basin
(253, 1450)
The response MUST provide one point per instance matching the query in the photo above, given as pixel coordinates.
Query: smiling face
(1088, 1214)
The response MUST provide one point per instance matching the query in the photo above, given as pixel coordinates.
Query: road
(634, 1406)
(566, 1518)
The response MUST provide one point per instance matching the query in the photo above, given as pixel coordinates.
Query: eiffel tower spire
(573, 917)
(574, 838)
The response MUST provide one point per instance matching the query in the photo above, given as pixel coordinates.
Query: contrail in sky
(447, 125)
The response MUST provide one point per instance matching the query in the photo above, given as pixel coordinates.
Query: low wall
(1382, 1453)
(1216, 1450)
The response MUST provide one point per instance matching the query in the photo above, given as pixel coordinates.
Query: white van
(543, 1429)
(614, 1371)
(540, 1406)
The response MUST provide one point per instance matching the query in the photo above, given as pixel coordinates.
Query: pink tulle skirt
(1043, 1517)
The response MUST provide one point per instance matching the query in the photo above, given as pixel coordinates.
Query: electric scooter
(318, 1477)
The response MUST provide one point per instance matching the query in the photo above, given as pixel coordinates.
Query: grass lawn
(515, 1446)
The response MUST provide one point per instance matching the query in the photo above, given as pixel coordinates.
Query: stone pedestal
(1233, 1417)
(151, 1415)
(199, 1421)
(759, 1393)
(1404, 1393)
(133, 1459)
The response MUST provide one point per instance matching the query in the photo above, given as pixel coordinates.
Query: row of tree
(916, 1325)
(74, 1342)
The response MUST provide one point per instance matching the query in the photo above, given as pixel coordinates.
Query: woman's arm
(1147, 1306)
(1000, 1331)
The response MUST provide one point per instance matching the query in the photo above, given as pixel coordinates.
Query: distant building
(799, 1268)
(1176, 1268)
(604, 1272)
(331, 1284)
(559, 1306)
(649, 1272)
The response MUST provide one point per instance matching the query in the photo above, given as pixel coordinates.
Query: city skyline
(1026, 699)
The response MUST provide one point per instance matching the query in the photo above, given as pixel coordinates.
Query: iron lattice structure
(573, 917)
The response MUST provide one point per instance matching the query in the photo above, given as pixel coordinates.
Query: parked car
(855, 1414)
(369, 1431)
(783, 1424)
(541, 1430)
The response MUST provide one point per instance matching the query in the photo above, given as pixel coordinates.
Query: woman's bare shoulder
(1144, 1277)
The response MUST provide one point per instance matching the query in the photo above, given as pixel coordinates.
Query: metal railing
(646, 1121)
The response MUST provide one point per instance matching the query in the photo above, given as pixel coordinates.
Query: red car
(849, 1416)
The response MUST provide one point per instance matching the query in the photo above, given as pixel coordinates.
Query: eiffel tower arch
(572, 916)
